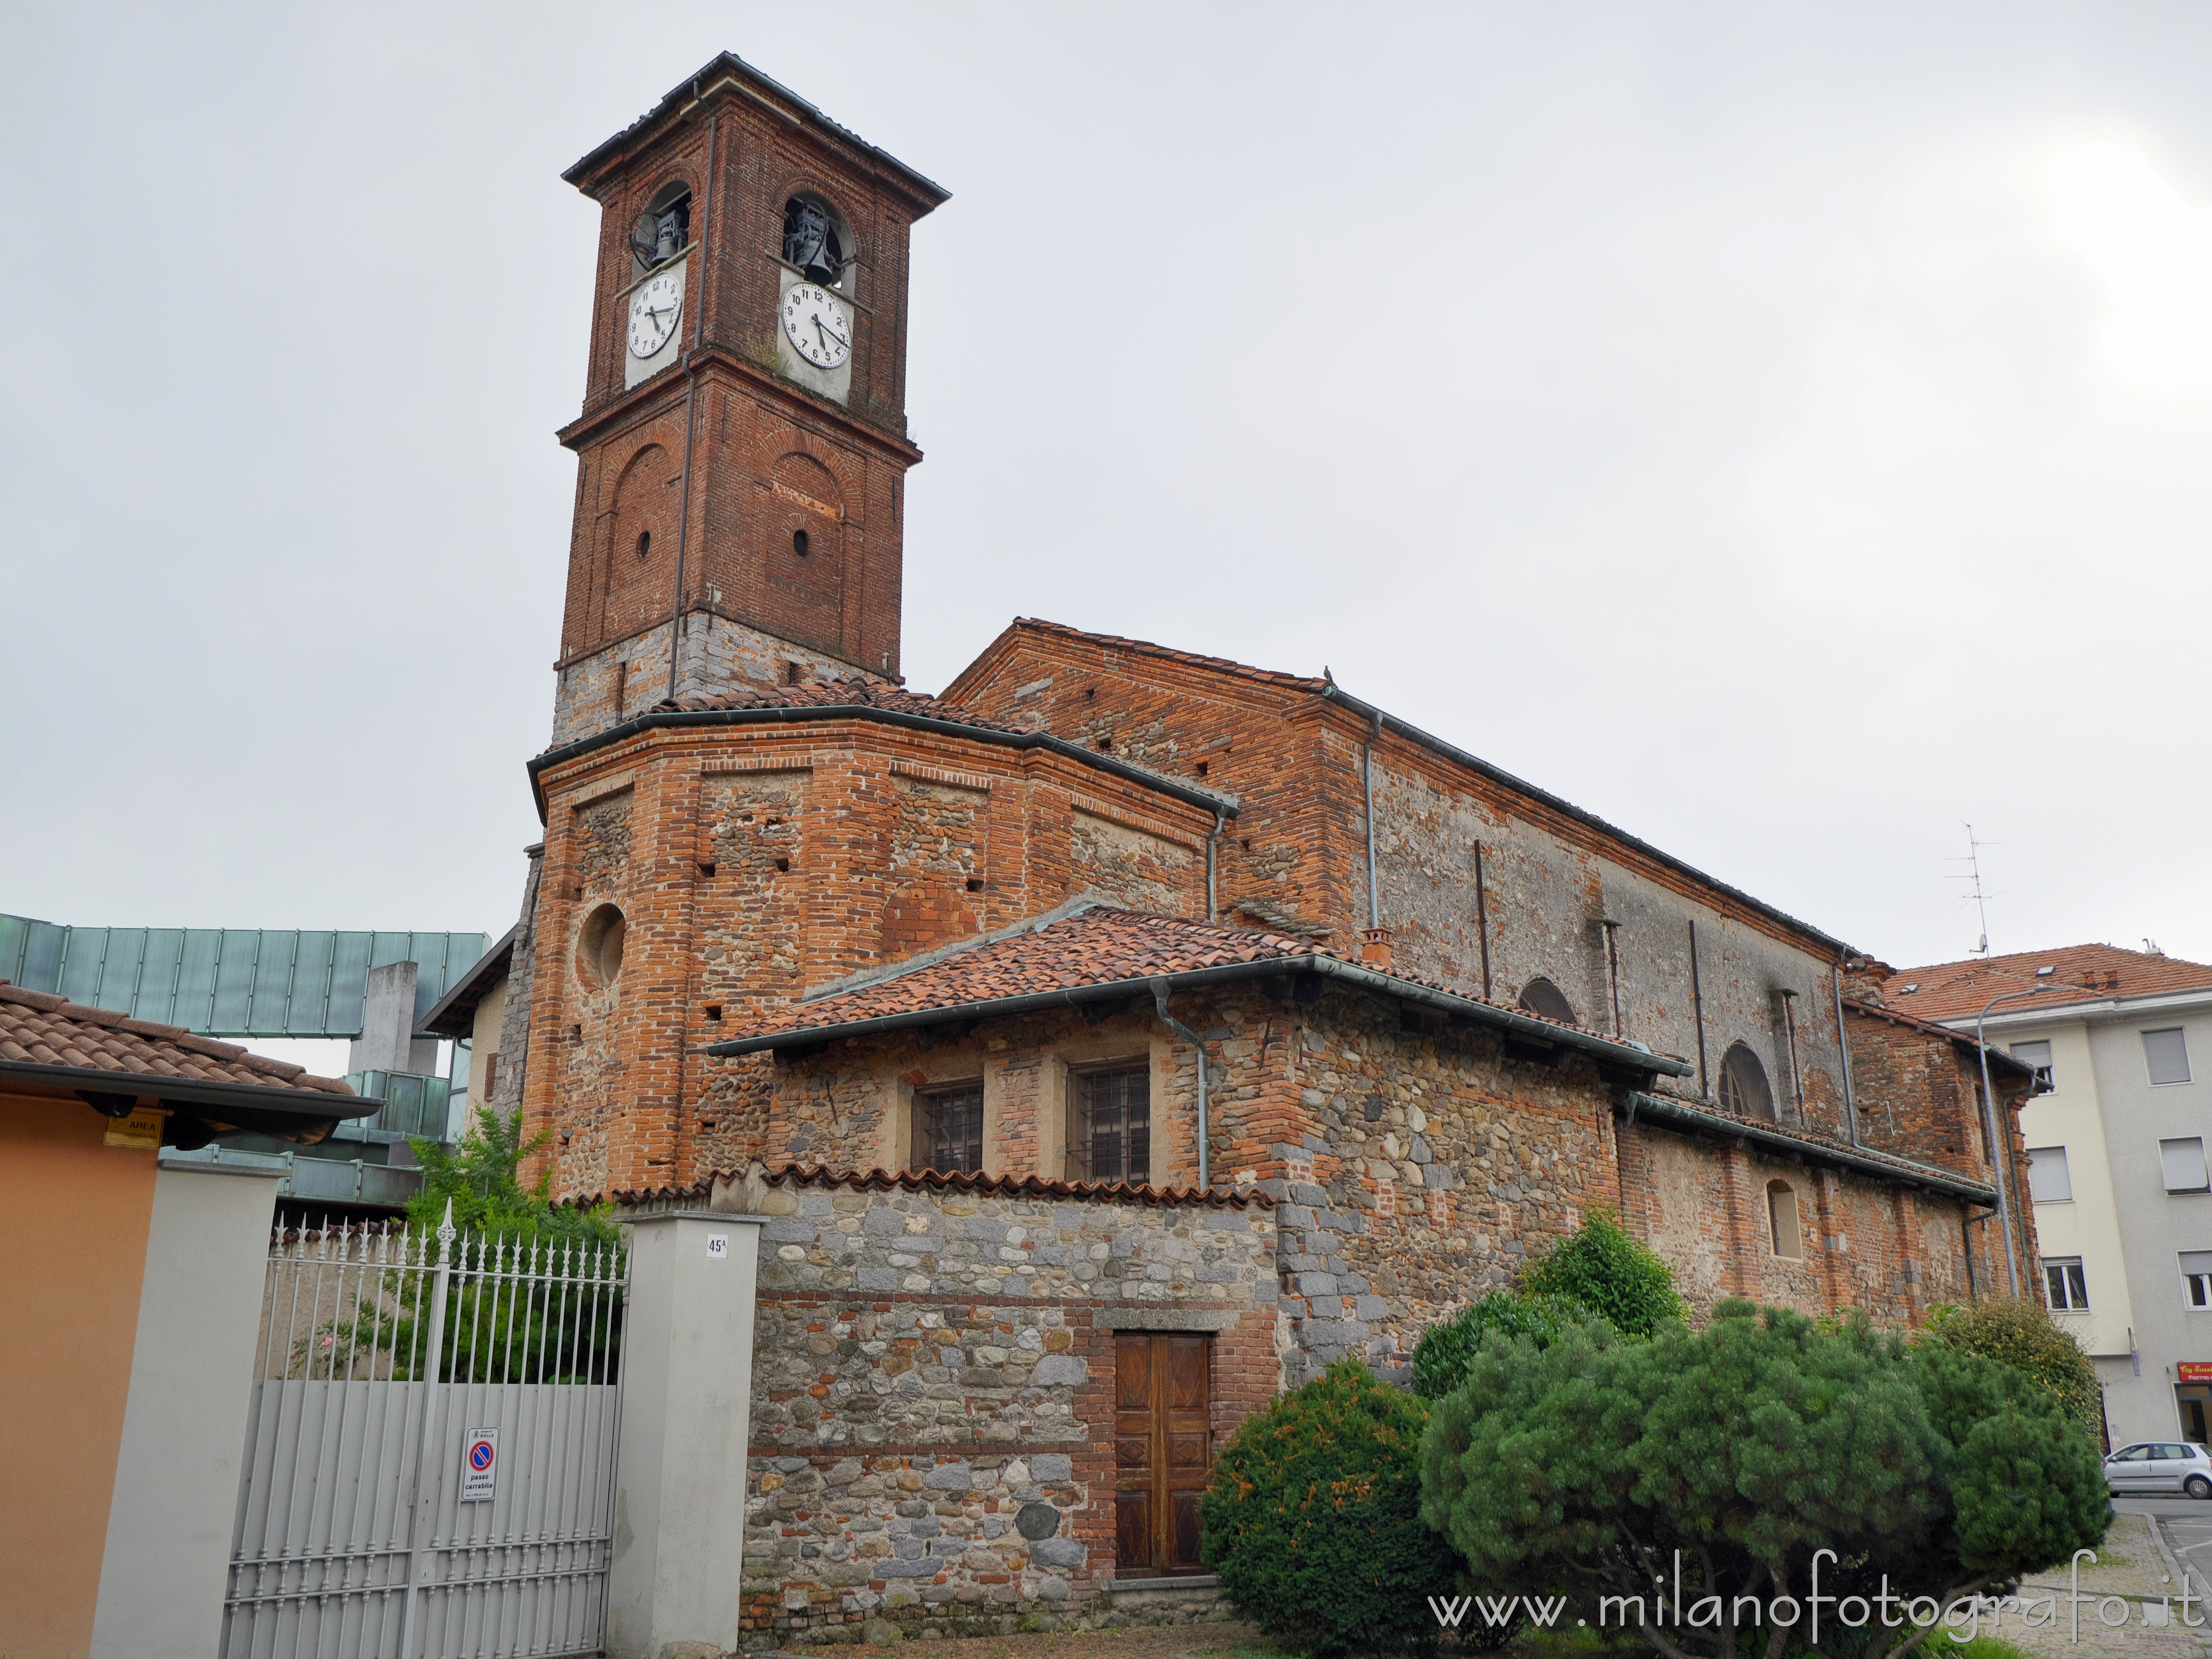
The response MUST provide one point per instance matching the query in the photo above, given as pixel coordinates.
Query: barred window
(949, 1132)
(1114, 1124)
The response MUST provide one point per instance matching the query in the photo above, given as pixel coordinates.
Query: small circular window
(600, 946)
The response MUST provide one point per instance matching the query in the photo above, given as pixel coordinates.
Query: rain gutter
(1206, 800)
(1641, 1105)
(1624, 1055)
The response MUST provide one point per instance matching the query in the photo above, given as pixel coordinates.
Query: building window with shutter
(1782, 1219)
(948, 1129)
(2183, 1163)
(2166, 1054)
(2061, 1277)
(1113, 1126)
(2036, 1054)
(2197, 1278)
(2049, 1181)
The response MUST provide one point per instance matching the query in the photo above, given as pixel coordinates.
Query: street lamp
(1990, 1122)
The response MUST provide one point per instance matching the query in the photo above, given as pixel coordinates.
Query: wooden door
(1162, 1450)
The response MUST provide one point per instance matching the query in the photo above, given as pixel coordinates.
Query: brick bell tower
(741, 450)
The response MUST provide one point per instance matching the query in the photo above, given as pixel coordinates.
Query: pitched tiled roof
(834, 693)
(1088, 944)
(1959, 990)
(1709, 1117)
(1964, 1040)
(39, 1028)
(1169, 654)
(914, 1181)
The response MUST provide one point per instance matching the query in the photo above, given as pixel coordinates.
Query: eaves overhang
(1910, 1172)
(1414, 734)
(727, 69)
(282, 1112)
(1206, 799)
(1621, 1057)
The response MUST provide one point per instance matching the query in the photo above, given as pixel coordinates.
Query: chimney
(1375, 946)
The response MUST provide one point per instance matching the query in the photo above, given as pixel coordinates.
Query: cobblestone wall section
(933, 1394)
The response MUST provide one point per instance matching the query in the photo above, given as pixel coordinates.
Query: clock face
(653, 309)
(819, 324)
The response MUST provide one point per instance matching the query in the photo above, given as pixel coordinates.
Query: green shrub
(1604, 1269)
(1441, 1357)
(1312, 1518)
(1586, 1466)
(2021, 1335)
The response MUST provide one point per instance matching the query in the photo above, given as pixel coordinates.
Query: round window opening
(798, 542)
(599, 947)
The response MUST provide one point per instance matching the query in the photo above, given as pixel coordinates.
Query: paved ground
(1169, 1642)
(2133, 1568)
(2188, 1525)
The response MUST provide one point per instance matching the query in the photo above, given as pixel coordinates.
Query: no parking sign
(480, 1465)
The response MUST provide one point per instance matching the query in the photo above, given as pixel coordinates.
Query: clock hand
(833, 334)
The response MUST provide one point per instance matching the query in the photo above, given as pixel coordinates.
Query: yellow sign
(142, 1129)
(796, 499)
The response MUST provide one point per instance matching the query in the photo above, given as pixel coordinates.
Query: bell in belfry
(810, 241)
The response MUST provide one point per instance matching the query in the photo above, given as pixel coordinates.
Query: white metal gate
(430, 1456)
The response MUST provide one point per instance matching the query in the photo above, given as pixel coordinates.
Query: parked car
(2161, 1466)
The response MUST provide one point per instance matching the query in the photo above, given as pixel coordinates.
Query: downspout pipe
(1367, 767)
(1844, 1047)
(1220, 821)
(1159, 989)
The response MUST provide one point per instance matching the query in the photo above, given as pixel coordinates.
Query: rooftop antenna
(1973, 863)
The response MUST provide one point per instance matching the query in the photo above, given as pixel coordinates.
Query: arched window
(1782, 1219)
(1744, 1090)
(816, 239)
(663, 230)
(1545, 1001)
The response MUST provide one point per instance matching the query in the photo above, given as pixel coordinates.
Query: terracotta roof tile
(39, 1028)
(834, 693)
(809, 1175)
(1169, 654)
(1959, 990)
(1965, 1040)
(1098, 944)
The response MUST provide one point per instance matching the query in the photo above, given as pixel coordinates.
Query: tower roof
(728, 68)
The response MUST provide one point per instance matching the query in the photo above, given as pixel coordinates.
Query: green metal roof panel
(229, 982)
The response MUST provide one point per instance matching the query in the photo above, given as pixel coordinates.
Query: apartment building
(2117, 1168)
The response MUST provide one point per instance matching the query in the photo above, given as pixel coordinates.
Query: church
(1117, 1036)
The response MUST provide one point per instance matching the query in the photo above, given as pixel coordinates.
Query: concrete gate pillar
(679, 1521)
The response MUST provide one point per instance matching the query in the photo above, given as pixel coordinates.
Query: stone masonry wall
(932, 1417)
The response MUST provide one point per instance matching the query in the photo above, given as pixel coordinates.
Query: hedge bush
(2021, 1335)
(1586, 1466)
(1312, 1518)
(1601, 1266)
(1442, 1356)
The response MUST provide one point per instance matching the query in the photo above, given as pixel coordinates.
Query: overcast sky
(1783, 431)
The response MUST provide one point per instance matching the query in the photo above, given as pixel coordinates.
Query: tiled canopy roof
(38, 1029)
(834, 693)
(1086, 945)
(915, 1180)
(1959, 990)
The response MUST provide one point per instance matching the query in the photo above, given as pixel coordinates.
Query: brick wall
(932, 1400)
(753, 862)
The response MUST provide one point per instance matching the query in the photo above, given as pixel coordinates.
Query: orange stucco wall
(74, 1216)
